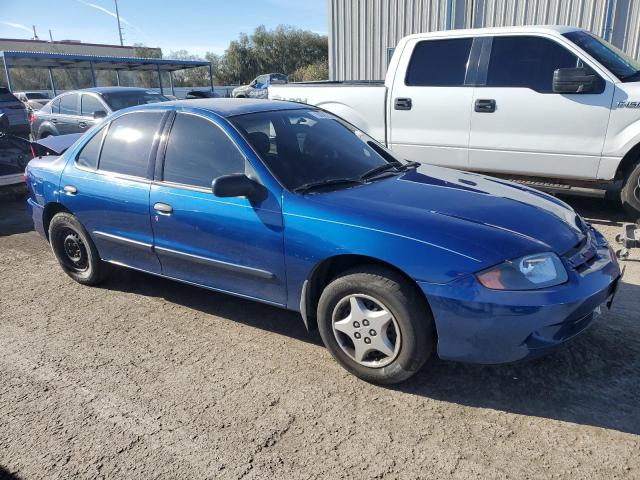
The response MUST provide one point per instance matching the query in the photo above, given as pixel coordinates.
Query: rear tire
(75, 251)
(630, 193)
(376, 324)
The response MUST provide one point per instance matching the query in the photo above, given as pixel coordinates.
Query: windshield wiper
(306, 187)
(379, 169)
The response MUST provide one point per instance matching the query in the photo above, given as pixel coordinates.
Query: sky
(198, 26)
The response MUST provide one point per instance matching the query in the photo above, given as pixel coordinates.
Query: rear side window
(69, 104)
(527, 62)
(199, 151)
(88, 156)
(128, 142)
(89, 105)
(439, 63)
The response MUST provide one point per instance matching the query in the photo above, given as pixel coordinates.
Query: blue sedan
(289, 205)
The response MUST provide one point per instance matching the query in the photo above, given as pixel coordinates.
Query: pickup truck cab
(554, 107)
(259, 85)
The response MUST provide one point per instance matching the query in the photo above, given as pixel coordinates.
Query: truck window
(439, 63)
(527, 62)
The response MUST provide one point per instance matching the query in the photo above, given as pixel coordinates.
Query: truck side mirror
(573, 80)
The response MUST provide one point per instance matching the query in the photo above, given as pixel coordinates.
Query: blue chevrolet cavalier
(289, 205)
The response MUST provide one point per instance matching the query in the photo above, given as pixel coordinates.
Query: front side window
(198, 152)
(527, 62)
(90, 104)
(305, 146)
(131, 98)
(439, 63)
(55, 106)
(127, 145)
(69, 104)
(88, 156)
(613, 59)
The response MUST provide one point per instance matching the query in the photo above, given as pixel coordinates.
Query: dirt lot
(146, 378)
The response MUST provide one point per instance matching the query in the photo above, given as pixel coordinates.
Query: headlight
(525, 273)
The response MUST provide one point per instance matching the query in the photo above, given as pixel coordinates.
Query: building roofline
(58, 42)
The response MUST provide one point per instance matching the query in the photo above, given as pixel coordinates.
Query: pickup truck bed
(360, 102)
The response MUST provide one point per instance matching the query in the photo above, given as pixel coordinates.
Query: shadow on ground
(7, 475)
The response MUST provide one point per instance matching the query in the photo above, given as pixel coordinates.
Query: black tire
(75, 251)
(405, 303)
(630, 193)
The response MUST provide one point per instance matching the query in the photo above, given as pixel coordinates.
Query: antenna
(119, 26)
(35, 35)
(50, 36)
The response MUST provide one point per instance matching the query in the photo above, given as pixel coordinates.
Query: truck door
(520, 126)
(430, 110)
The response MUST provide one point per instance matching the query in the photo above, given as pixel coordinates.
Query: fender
(47, 126)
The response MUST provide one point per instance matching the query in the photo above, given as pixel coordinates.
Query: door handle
(402, 104)
(70, 190)
(54, 120)
(82, 124)
(485, 106)
(163, 208)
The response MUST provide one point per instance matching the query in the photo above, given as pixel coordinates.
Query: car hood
(476, 215)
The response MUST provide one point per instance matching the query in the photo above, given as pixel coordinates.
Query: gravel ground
(146, 378)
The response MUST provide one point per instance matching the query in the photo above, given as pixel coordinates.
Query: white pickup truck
(554, 107)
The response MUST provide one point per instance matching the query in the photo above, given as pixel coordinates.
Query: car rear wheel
(630, 194)
(75, 251)
(376, 324)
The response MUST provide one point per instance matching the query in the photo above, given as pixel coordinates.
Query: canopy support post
(6, 71)
(160, 79)
(173, 91)
(52, 82)
(211, 76)
(118, 77)
(93, 74)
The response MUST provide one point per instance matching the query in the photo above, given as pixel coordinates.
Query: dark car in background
(77, 111)
(33, 100)
(15, 112)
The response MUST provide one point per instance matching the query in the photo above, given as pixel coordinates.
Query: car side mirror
(99, 114)
(253, 83)
(4, 123)
(573, 80)
(238, 185)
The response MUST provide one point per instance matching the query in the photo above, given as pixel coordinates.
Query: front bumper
(479, 325)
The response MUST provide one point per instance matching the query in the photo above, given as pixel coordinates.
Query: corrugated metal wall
(361, 31)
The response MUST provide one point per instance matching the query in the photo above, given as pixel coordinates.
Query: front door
(107, 187)
(520, 126)
(430, 109)
(229, 244)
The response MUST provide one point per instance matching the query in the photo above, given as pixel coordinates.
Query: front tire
(75, 251)
(630, 193)
(376, 324)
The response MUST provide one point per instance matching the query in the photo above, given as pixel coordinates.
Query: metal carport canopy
(20, 59)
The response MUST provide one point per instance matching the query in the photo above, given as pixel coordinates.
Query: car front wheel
(376, 324)
(630, 194)
(75, 251)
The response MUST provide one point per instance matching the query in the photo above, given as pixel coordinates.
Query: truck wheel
(630, 193)
(376, 325)
(75, 250)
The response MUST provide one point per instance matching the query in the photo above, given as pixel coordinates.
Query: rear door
(229, 244)
(107, 187)
(67, 120)
(528, 129)
(431, 106)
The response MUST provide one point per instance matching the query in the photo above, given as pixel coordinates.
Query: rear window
(36, 96)
(7, 96)
(125, 99)
(439, 63)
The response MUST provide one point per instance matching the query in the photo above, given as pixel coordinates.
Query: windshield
(305, 146)
(124, 99)
(615, 60)
(36, 96)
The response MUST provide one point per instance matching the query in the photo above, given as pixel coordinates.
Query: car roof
(109, 90)
(229, 107)
(550, 29)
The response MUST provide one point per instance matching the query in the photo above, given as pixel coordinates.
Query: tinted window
(439, 63)
(128, 143)
(131, 98)
(198, 151)
(305, 146)
(90, 104)
(527, 62)
(36, 96)
(88, 156)
(6, 95)
(69, 104)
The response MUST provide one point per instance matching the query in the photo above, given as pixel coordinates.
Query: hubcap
(74, 251)
(366, 330)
